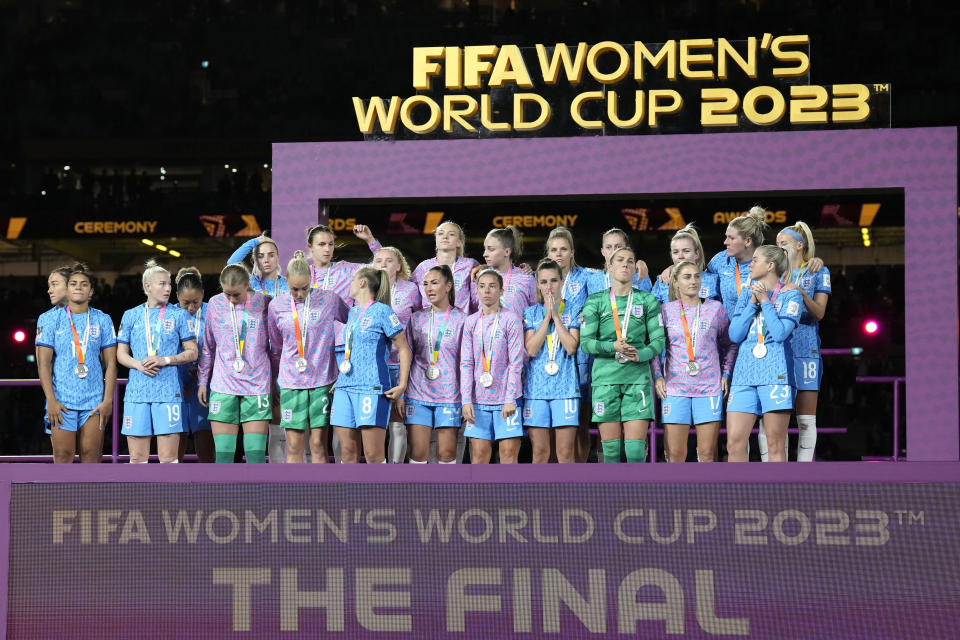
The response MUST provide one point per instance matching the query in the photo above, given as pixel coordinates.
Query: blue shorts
(73, 419)
(194, 415)
(551, 413)
(685, 410)
(491, 425)
(151, 418)
(760, 399)
(394, 370)
(807, 372)
(354, 409)
(433, 415)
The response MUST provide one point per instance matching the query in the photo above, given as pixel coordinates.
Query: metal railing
(896, 381)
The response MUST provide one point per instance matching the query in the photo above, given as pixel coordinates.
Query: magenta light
(19, 336)
(871, 327)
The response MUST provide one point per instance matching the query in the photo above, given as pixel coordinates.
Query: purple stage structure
(921, 162)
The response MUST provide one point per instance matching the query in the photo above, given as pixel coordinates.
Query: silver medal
(81, 370)
(238, 365)
(619, 357)
(486, 379)
(433, 372)
(301, 365)
(552, 368)
(345, 366)
(759, 350)
(693, 368)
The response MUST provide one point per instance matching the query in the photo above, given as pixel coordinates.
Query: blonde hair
(672, 293)
(151, 270)
(626, 248)
(490, 271)
(460, 234)
(235, 275)
(404, 273)
(253, 254)
(752, 225)
(547, 264)
(298, 265)
(689, 232)
(561, 233)
(619, 232)
(378, 283)
(809, 250)
(189, 278)
(782, 260)
(510, 238)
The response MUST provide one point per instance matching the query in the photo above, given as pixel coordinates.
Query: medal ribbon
(691, 341)
(435, 352)
(152, 346)
(276, 287)
(616, 314)
(81, 348)
(198, 326)
(349, 337)
(301, 334)
(326, 277)
(484, 349)
(239, 337)
(553, 343)
(760, 314)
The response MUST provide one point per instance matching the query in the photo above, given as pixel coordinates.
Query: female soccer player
(265, 276)
(805, 339)
(491, 360)
(732, 267)
(623, 329)
(235, 352)
(767, 313)
(433, 396)
(154, 340)
(78, 388)
(450, 241)
(551, 390)
(404, 299)
(685, 246)
(501, 249)
(699, 360)
(189, 285)
(301, 330)
(611, 241)
(361, 404)
(57, 290)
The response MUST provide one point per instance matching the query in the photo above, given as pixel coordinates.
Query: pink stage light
(19, 335)
(870, 327)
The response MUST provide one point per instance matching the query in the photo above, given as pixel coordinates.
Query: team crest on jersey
(215, 406)
(168, 325)
(598, 408)
(637, 311)
(499, 333)
(365, 323)
(826, 280)
(94, 331)
(394, 320)
(574, 287)
(565, 318)
(287, 415)
(793, 308)
(666, 409)
(314, 315)
(704, 292)
(527, 413)
(190, 326)
(805, 282)
(128, 422)
(252, 324)
(704, 325)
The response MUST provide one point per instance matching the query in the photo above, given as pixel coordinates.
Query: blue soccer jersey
(370, 332)
(167, 334)
(805, 339)
(537, 383)
(97, 329)
(725, 267)
(188, 381)
(709, 288)
(574, 290)
(779, 320)
(45, 326)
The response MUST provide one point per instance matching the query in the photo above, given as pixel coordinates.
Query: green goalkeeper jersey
(644, 332)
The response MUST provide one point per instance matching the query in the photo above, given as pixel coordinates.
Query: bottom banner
(91, 560)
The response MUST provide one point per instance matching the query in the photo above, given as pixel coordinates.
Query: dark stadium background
(165, 111)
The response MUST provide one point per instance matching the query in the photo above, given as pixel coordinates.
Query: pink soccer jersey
(219, 348)
(446, 388)
(337, 278)
(404, 299)
(506, 359)
(461, 281)
(326, 308)
(714, 352)
(519, 291)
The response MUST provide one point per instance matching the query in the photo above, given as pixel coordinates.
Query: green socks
(611, 450)
(226, 446)
(255, 447)
(636, 450)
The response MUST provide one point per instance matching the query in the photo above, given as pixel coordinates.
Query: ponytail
(805, 238)
(511, 239)
(152, 269)
(378, 283)
(447, 275)
(752, 225)
(782, 260)
(298, 266)
(689, 232)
